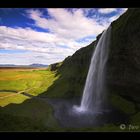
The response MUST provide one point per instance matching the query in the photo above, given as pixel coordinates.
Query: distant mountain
(38, 65)
(32, 65)
(7, 65)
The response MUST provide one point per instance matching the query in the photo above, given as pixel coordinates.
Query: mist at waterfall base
(93, 109)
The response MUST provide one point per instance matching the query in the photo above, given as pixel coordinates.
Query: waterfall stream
(94, 94)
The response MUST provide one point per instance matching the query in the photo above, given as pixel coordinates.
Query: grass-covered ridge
(31, 115)
(72, 74)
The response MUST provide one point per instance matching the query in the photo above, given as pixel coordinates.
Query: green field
(16, 112)
(15, 81)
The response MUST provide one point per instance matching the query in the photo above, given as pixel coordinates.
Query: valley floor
(13, 82)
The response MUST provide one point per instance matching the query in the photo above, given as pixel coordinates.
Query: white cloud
(29, 58)
(65, 29)
(120, 12)
(113, 18)
(66, 24)
(107, 10)
(37, 42)
(26, 34)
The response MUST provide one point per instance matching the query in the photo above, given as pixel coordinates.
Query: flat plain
(14, 81)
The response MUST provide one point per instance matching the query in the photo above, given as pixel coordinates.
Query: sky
(49, 35)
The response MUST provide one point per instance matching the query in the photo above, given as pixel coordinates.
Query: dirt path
(15, 93)
(23, 92)
(10, 91)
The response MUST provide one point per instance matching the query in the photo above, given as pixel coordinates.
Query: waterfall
(94, 94)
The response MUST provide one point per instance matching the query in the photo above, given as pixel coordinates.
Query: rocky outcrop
(54, 66)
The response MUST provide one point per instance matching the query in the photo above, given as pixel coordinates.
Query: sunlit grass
(17, 99)
(33, 82)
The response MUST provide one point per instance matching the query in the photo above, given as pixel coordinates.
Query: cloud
(66, 24)
(107, 10)
(69, 30)
(29, 58)
(54, 47)
(113, 18)
(26, 34)
(120, 12)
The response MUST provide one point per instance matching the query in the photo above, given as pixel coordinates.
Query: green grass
(127, 107)
(6, 94)
(31, 115)
(34, 115)
(17, 99)
(16, 112)
(33, 82)
(122, 104)
(38, 115)
(136, 119)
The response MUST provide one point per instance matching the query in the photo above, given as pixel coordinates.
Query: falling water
(94, 95)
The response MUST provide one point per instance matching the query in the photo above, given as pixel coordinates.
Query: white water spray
(94, 95)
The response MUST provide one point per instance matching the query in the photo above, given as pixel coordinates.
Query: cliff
(123, 66)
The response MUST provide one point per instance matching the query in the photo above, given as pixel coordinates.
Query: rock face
(54, 66)
(124, 57)
(123, 67)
